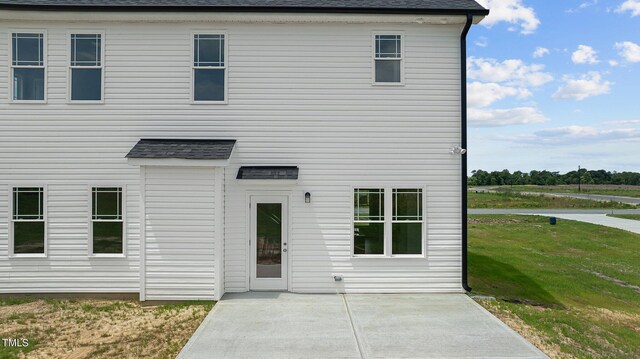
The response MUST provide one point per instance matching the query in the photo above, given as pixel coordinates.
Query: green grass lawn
(521, 201)
(572, 289)
(609, 190)
(635, 217)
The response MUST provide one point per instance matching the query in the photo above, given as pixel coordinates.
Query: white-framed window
(368, 221)
(86, 62)
(28, 66)
(388, 222)
(28, 221)
(388, 54)
(209, 71)
(107, 221)
(407, 221)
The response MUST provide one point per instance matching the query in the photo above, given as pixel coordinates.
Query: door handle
(284, 250)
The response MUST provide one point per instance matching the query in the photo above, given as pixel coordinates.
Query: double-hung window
(388, 221)
(107, 226)
(85, 67)
(28, 221)
(368, 221)
(406, 221)
(28, 66)
(387, 58)
(209, 68)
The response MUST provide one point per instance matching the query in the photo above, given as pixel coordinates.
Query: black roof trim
(268, 172)
(426, 7)
(189, 149)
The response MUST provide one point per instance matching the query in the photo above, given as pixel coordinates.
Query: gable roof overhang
(181, 152)
(413, 7)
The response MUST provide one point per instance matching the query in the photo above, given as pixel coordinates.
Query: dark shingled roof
(183, 149)
(268, 172)
(452, 7)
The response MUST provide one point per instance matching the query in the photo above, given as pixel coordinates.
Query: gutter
(463, 144)
(4, 5)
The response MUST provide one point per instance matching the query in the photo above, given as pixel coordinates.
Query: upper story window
(28, 66)
(387, 58)
(388, 221)
(86, 67)
(209, 68)
(28, 221)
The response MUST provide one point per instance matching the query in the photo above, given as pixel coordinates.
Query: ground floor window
(28, 220)
(107, 227)
(388, 221)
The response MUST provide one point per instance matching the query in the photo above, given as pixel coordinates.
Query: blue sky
(554, 85)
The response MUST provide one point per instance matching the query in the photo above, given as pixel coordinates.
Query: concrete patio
(287, 325)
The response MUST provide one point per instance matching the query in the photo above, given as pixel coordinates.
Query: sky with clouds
(554, 85)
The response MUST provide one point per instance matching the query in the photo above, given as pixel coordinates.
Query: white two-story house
(184, 149)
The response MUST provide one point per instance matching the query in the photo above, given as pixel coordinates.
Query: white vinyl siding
(299, 94)
(179, 233)
(68, 268)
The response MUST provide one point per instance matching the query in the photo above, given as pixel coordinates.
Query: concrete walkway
(287, 325)
(601, 219)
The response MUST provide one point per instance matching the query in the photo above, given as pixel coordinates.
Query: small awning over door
(268, 173)
(181, 152)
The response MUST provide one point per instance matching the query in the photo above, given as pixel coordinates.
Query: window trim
(388, 222)
(225, 67)
(69, 67)
(44, 65)
(90, 219)
(383, 221)
(44, 216)
(401, 59)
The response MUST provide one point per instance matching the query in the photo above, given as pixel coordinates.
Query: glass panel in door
(269, 240)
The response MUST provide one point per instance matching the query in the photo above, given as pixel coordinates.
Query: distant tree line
(548, 178)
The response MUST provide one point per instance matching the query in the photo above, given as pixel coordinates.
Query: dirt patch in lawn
(99, 328)
(517, 324)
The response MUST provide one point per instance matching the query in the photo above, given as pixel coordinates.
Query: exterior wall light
(457, 150)
(307, 197)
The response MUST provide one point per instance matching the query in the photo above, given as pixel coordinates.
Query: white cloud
(587, 85)
(583, 5)
(505, 117)
(632, 6)
(482, 42)
(587, 4)
(573, 135)
(584, 55)
(540, 52)
(613, 63)
(624, 122)
(495, 81)
(512, 12)
(629, 51)
(512, 72)
(484, 94)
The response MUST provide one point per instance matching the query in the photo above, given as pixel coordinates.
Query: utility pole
(579, 179)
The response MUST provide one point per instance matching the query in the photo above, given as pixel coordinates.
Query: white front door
(268, 242)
